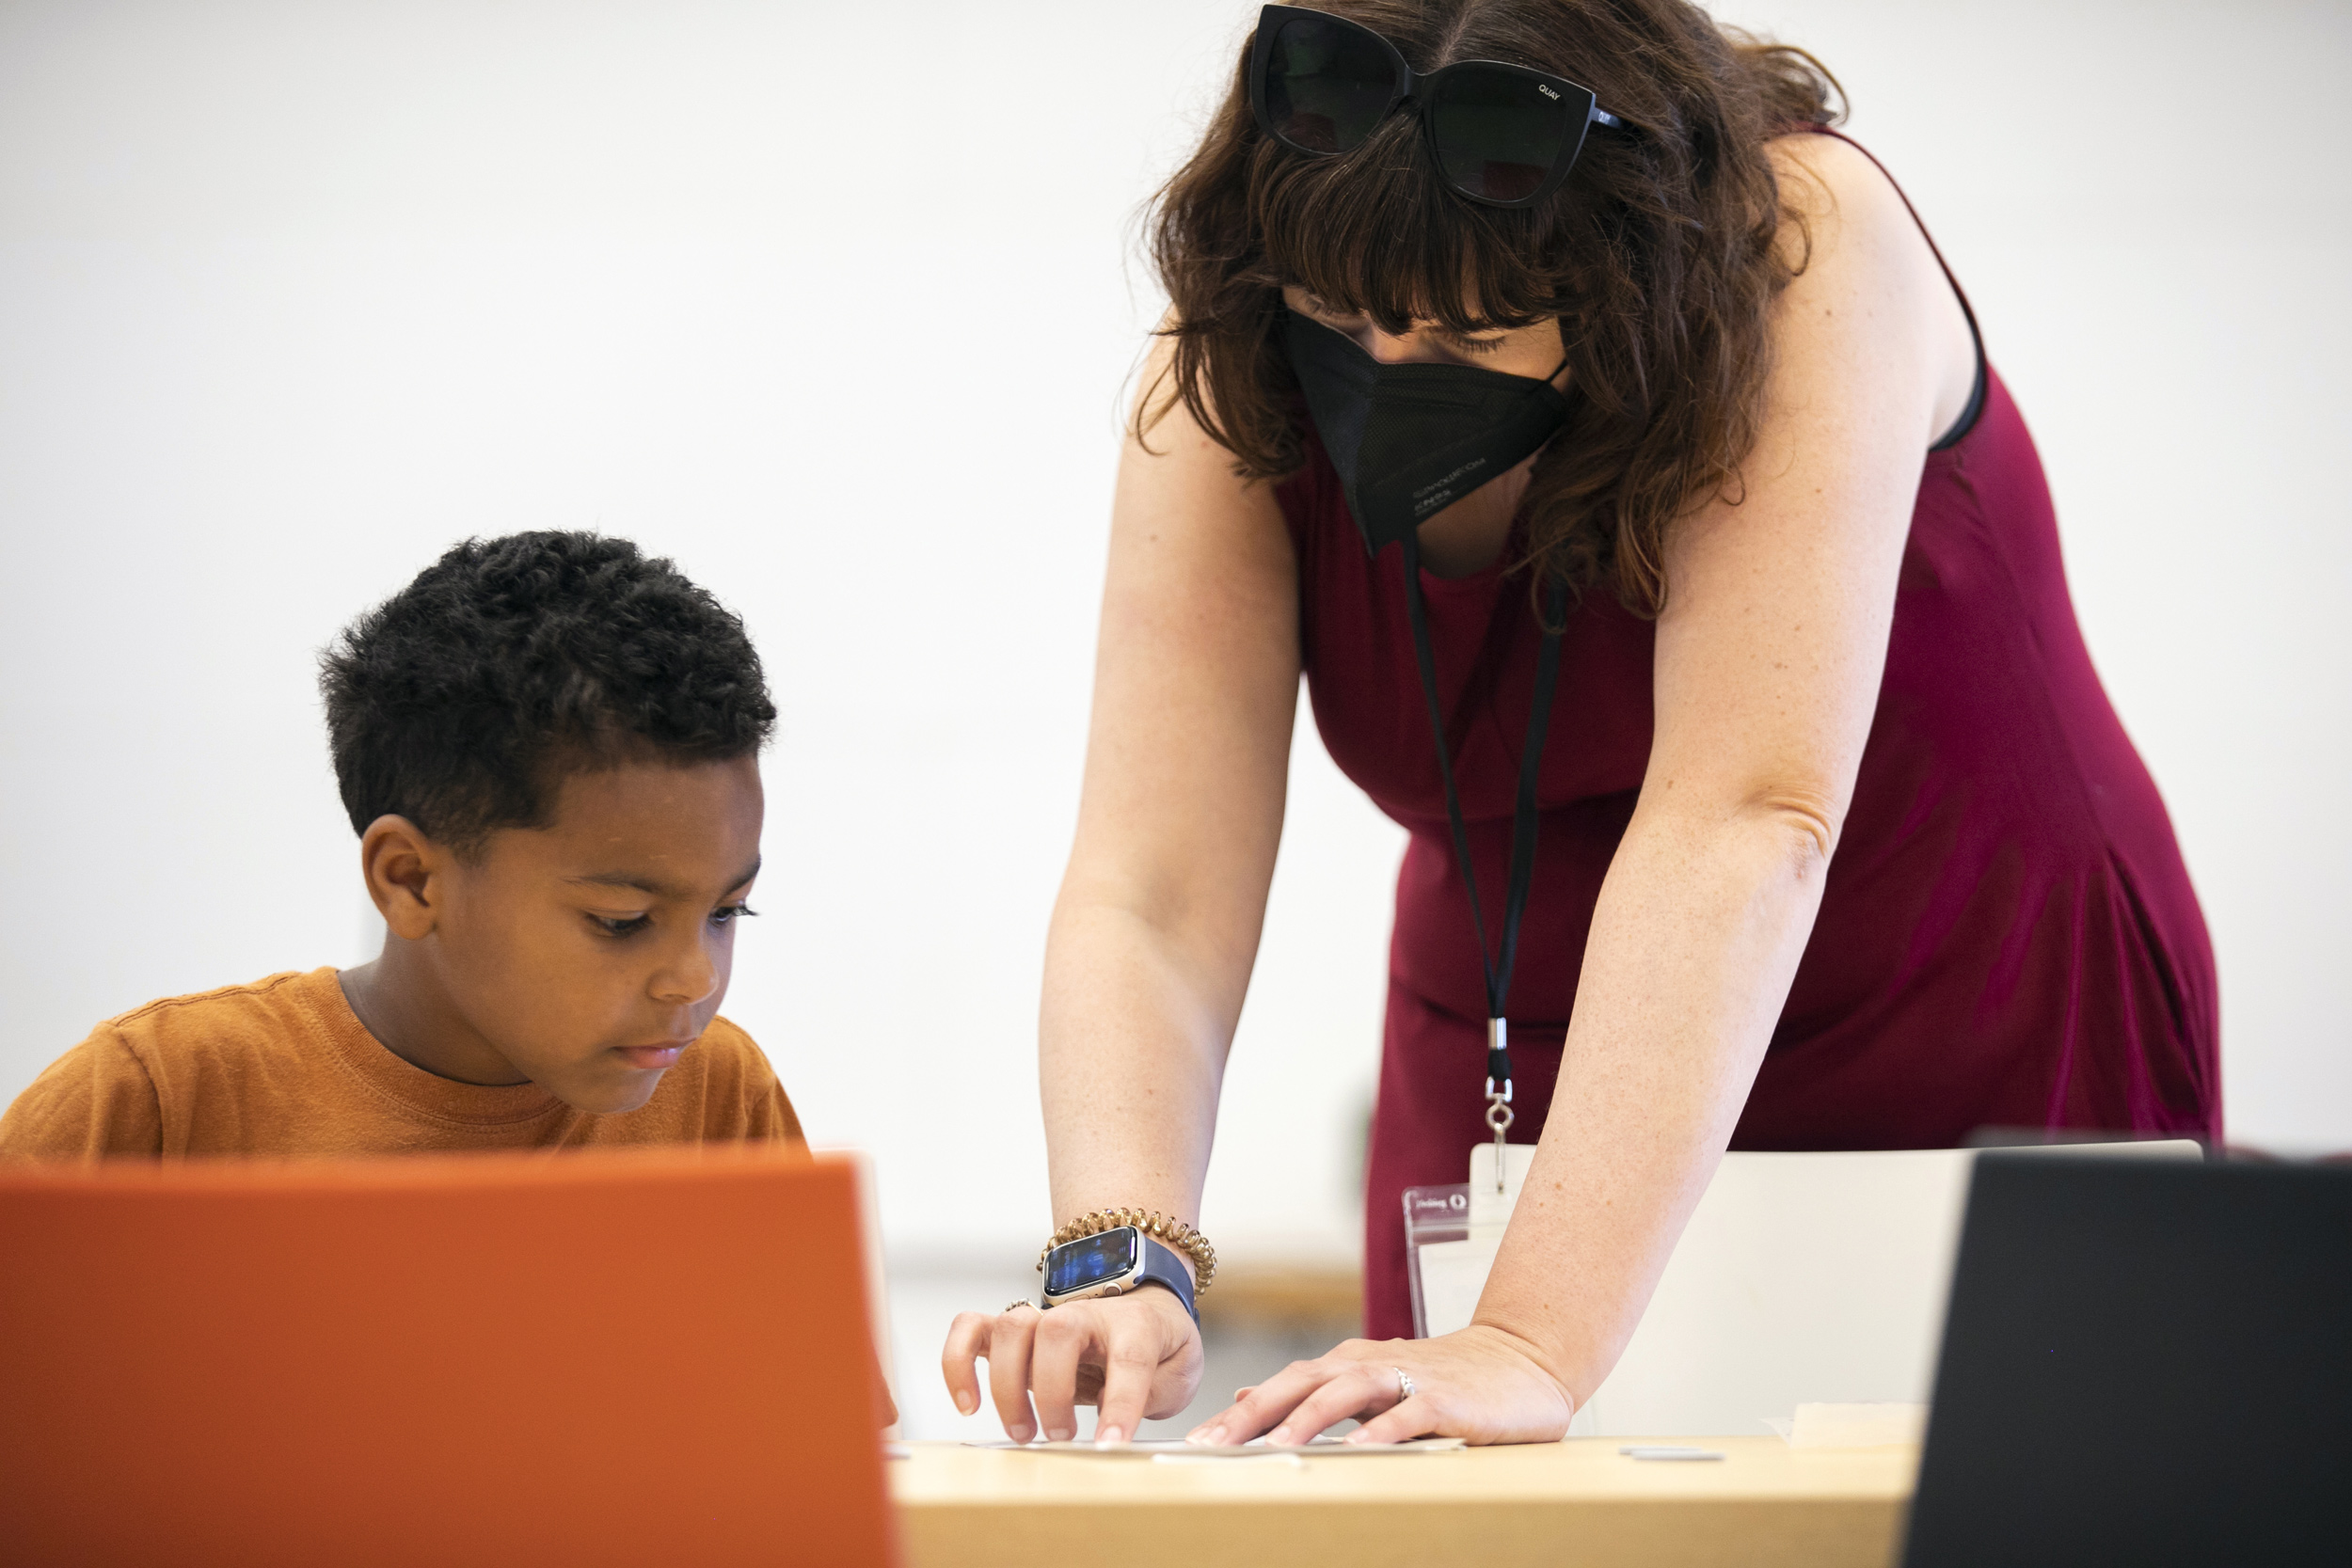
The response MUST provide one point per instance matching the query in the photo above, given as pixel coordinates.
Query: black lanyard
(1523, 824)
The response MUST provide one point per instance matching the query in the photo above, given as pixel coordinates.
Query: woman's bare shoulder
(1864, 265)
(1834, 197)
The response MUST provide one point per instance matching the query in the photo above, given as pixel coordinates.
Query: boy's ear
(404, 870)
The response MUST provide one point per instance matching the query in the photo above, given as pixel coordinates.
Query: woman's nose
(1390, 349)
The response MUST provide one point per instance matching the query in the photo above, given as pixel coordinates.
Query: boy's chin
(605, 1095)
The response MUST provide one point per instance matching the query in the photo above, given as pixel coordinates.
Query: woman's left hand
(1483, 1385)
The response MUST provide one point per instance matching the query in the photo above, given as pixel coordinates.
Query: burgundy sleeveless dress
(2006, 939)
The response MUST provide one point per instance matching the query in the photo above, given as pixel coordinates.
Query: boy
(549, 746)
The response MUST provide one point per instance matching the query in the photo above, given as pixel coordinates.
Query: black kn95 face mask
(1409, 440)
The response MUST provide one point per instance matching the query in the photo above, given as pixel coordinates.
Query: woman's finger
(1008, 1339)
(967, 1342)
(1399, 1423)
(1064, 1335)
(1265, 1405)
(1132, 1349)
(1351, 1389)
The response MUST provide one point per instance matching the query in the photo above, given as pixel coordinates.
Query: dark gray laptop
(2146, 1362)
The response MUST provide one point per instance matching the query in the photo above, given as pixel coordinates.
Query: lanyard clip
(1499, 1112)
(1498, 1061)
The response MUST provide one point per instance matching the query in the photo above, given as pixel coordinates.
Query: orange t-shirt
(285, 1068)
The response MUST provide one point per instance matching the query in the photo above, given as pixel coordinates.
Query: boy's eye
(622, 925)
(725, 913)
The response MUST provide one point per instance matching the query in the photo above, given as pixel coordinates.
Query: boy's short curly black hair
(461, 701)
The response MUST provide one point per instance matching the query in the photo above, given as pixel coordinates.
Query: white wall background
(835, 305)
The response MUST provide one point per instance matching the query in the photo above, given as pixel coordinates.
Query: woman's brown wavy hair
(1660, 255)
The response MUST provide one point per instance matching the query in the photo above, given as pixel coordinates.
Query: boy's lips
(651, 1058)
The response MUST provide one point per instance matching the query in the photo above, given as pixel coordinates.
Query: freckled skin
(533, 960)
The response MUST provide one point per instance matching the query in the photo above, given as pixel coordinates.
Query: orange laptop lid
(627, 1357)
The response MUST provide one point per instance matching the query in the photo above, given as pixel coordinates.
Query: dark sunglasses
(1503, 135)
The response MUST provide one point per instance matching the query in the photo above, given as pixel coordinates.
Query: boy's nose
(689, 978)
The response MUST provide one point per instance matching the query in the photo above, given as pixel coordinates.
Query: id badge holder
(1452, 1233)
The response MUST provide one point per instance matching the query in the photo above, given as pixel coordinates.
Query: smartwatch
(1111, 1263)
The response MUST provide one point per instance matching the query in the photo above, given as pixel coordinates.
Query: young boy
(549, 746)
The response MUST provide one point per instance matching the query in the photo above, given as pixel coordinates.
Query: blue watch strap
(1161, 1266)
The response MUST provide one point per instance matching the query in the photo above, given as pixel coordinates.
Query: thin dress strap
(1967, 420)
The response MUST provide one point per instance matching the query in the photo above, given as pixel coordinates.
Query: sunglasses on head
(1503, 135)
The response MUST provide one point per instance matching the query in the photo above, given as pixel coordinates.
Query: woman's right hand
(1135, 1356)
(1148, 958)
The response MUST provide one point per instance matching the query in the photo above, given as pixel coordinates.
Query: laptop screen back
(631, 1358)
(2144, 1362)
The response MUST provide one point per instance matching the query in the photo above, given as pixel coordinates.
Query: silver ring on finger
(1403, 1384)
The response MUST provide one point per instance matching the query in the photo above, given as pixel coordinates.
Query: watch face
(1090, 1260)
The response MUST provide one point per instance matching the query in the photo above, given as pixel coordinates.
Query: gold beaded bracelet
(1176, 1233)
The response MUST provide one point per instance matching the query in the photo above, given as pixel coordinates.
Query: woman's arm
(1152, 938)
(1769, 657)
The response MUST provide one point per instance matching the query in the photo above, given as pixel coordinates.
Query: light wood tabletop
(1572, 1503)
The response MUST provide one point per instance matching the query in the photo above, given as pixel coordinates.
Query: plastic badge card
(1452, 1234)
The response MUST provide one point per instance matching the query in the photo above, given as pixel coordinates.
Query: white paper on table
(1869, 1425)
(1322, 1448)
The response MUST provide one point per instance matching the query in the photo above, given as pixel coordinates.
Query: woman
(1836, 840)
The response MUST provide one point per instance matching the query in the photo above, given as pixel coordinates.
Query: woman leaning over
(1837, 842)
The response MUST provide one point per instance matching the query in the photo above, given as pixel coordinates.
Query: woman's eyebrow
(1319, 303)
(1480, 332)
